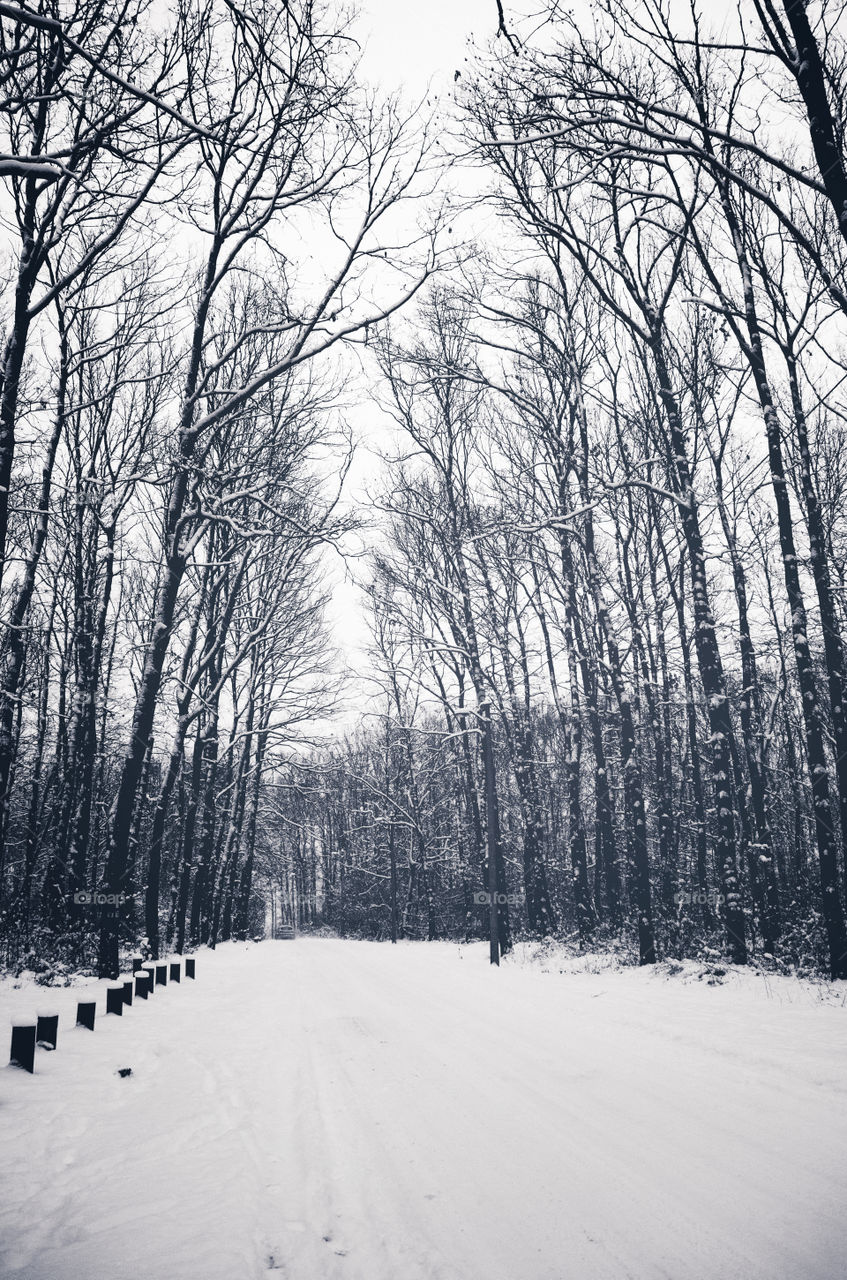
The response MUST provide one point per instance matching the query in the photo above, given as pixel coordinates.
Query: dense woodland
(608, 530)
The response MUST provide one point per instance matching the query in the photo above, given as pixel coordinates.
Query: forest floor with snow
(335, 1110)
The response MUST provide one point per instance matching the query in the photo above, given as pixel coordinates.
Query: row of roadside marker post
(146, 976)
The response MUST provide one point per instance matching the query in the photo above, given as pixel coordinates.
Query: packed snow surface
(355, 1110)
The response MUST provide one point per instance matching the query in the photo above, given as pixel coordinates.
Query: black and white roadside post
(115, 999)
(46, 1028)
(492, 830)
(85, 1012)
(23, 1045)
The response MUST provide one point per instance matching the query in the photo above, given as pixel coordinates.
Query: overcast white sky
(412, 48)
(410, 45)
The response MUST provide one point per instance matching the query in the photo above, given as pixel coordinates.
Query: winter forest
(542, 376)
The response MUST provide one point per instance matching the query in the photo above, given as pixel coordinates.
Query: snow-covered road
(325, 1109)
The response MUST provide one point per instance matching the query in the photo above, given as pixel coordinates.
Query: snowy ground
(324, 1109)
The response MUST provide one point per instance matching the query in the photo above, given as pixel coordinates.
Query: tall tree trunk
(189, 824)
(16, 637)
(708, 659)
(571, 730)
